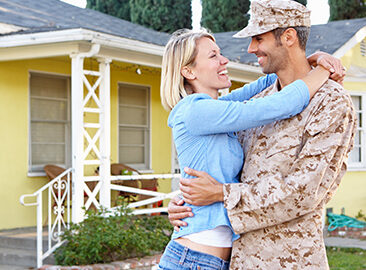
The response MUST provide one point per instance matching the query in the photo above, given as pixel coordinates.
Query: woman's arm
(327, 61)
(204, 115)
(251, 89)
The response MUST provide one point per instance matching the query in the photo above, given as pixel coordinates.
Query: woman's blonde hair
(180, 51)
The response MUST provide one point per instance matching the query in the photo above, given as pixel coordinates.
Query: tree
(117, 8)
(224, 15)
(162, 15)
(346, 9)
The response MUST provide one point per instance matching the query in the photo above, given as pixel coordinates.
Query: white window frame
(360, 166)
(146, 166)
(37, 170)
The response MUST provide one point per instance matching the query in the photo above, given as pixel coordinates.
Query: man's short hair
(302, 35)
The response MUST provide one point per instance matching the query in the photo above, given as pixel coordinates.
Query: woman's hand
(330, 63)
(202, 190)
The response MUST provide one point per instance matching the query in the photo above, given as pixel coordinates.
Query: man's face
(272, 57)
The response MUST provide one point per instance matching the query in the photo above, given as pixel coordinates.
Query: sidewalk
(344, 242)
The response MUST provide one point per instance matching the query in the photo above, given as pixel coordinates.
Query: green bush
(101, 239)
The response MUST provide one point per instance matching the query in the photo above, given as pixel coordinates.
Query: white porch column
(105, 134)
(77, 143)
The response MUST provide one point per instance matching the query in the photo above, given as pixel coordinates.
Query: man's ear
(289, 37)
(187, 73)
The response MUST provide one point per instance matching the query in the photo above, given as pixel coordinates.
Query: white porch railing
(59, 193)
(157, 196)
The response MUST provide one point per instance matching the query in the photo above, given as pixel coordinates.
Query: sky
(319, 10)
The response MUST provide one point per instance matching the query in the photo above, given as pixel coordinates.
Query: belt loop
(184, 254)
(223, 264)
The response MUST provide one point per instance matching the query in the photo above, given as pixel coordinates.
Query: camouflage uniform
(292, 169)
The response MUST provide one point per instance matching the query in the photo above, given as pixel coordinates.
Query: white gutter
(358, 37)
(108, 41)
(79, 35)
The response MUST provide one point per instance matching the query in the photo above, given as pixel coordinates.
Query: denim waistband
(186, 255)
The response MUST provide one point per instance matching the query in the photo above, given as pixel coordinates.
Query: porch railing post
(39, 230)
(77, 93)
(105, 122)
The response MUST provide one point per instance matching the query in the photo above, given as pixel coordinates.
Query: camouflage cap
(267, 15)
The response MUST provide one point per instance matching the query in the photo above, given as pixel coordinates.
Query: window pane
(48, 154)
(131, 136)
(355, 155)
(48, 132)
(132, 116)
(48, 86)
(356, 102)
(134, 130)
(132, 154)
(358, 138)
(133, 95)
(48, 109)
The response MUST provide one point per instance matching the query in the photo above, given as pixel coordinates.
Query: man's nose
(252, 48)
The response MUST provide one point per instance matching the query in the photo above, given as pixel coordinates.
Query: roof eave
(358, 37)
(71, 41)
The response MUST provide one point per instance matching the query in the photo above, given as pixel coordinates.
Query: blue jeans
(178, 257)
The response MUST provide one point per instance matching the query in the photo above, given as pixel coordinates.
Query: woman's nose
(224, 60)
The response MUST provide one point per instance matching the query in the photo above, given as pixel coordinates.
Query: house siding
(14, 117)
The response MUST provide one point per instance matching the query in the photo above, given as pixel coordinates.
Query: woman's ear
(187, 73)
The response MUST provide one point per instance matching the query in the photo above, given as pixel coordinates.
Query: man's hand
(203, 190)
(177, 212)
(330, 63)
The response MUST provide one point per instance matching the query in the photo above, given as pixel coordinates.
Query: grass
(346, 258)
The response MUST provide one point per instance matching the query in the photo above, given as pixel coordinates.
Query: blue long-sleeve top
(203, 132)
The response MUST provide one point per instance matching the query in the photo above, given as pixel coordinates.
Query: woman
(203, 126)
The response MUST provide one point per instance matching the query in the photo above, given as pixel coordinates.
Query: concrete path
(345, 242)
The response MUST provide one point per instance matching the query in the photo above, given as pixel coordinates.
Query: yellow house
(79, 87)
(47, 47)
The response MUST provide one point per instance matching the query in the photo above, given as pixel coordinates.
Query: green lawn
(346, 258)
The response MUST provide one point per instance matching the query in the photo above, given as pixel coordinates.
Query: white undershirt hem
(220, 236)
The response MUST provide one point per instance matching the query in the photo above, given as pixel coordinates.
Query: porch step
(18, 257)
(18, 248)
(12, 267)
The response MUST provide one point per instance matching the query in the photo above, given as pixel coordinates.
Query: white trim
(354, 79)
(36, 174)
(360, 166)
(65, 42)
(358, 37)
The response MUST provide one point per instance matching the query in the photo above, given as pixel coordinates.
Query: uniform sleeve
(313, 177)
(204, 116)
(251, 89)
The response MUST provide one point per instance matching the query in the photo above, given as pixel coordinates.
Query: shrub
(361, 216)
(103, 238)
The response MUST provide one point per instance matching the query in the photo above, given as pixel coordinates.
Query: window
(357, 156)
(49, 121)
(134, 125)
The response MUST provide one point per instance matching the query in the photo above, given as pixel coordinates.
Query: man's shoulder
(333, 88)
(332, 94)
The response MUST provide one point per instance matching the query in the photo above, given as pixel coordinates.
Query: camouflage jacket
(292, 169)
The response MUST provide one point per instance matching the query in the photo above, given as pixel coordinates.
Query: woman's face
(209, 73)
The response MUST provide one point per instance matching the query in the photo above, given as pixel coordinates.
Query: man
(293, 166)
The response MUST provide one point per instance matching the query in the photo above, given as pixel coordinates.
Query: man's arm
(277, 199)
(314, 175)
